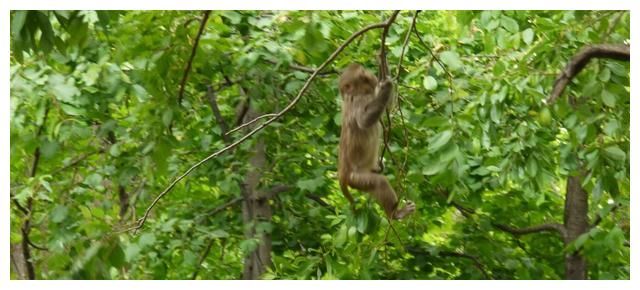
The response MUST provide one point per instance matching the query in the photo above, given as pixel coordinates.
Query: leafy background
(99, 128)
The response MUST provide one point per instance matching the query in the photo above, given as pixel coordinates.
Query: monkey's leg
(378, 186)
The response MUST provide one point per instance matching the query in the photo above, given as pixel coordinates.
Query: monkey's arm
(371, 113)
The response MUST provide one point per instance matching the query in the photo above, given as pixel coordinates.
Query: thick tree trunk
(255, 208)
(576, 223)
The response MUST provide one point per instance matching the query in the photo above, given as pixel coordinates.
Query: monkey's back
(358, 146)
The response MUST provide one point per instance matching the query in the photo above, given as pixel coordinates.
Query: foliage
(103, 86)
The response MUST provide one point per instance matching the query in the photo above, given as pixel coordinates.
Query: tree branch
(467, 212)
(406, 42)
(202, 258)
(249, 123)
(384, 66)
(213, 102)
(580, 60)
(598, 219)
(548, 227)
(194, 48)
(474, 259)
(302, 68)
(304, 88)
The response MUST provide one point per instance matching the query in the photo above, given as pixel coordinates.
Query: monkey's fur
(364, 101)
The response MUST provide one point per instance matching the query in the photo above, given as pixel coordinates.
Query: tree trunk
(255, 209)
(576, 223)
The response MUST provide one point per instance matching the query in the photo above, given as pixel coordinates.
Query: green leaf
(430, 83)
(614, 152)
(218, 234)
(140, 92)
(434, 167)
(608, 98)
(532, 167)
(233, 16)
(605, 75)
(611, 127)
(527, 35)
(509, 24)
(147, 239)
(436, 142)
(18, 22)
(310, 184)
(59, 213)
(63, 89)
(451, 59)
(581, 240)
(167, 117)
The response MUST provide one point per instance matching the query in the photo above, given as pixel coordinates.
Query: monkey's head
(357, 81)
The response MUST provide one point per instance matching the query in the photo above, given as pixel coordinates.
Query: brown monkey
(364, 101)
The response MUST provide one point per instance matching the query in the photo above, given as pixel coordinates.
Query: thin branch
(600, 217)
(202, 258)
(25, 229)
(548, 227)
(318, 200)
(213, 102)
(304, 88)
(275, 190)
(581, 59)
(225, 205)
(467, 212)
(474, 259)
(436, 58)
(250, 122)
(194, 48)
(384, 66)
(406, 42)
(302, 68)
(41, 248)
(383, 73)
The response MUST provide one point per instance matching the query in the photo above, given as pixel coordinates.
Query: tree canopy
(510, 130)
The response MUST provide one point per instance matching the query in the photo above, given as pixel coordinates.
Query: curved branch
(249, 123)
(304, 88)
(384, 66)
(580, 60)
(548, 227)
(474, 259)
(302, 68)
(598, 219)
(194, 48)
(406, 42)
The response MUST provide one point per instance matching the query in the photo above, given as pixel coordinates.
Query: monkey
(364, 100)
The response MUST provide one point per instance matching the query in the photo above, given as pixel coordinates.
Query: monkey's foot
(408, 209)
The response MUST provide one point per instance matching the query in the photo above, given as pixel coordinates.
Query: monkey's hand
(385, 86)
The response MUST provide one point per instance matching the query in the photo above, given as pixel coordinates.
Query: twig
(474, 259)
(194, 48)
(548, 227)
(600, 217)
(249, 123)
(580, 60)
(202, 258)
(384, 66)
(605, 36)
(302, 68)
(383, 73)
(225, 205)
(212, 98)
(406, 42)
(304, 88)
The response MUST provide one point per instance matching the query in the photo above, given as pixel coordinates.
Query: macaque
(364, 101)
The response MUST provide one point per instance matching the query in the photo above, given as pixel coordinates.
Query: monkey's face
(356, 81)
